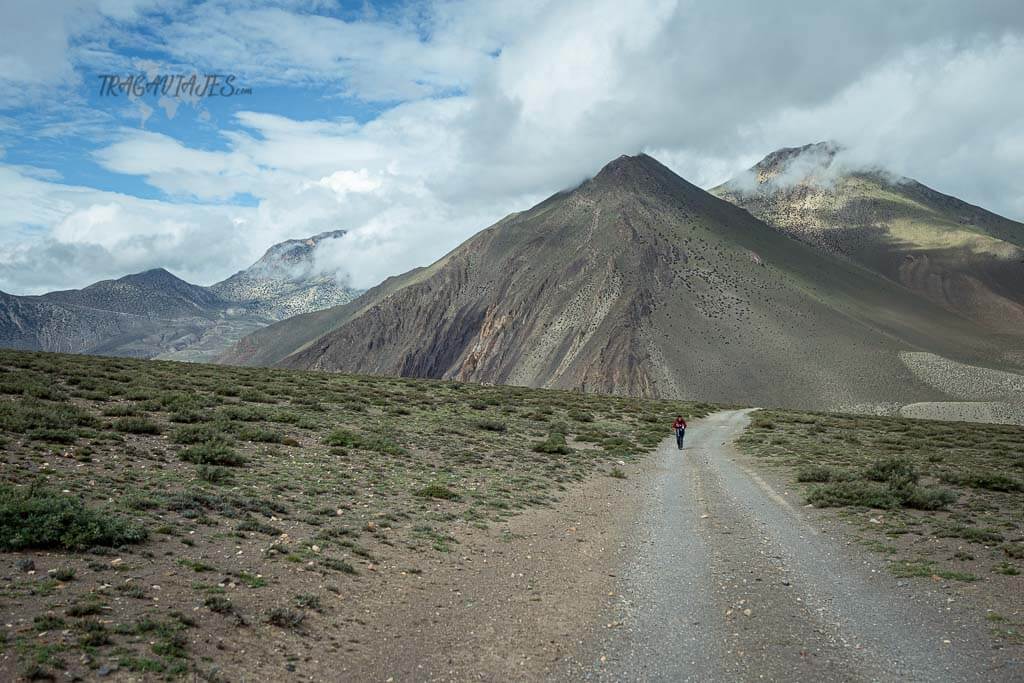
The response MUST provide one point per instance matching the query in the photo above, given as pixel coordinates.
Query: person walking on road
(679, 426)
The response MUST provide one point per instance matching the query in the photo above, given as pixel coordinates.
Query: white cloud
(343, 182)
(56, 236)
(502, 104)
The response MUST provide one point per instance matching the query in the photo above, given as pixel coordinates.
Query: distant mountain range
(638, 282)
(156, 314)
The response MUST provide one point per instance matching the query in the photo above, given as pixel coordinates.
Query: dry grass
(212, 480)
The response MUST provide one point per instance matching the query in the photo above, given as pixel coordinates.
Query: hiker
(679, 426)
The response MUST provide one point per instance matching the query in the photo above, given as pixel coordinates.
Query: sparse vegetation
(893, 476)
(127, 464)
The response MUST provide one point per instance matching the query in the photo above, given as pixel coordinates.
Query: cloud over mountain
(411, 126)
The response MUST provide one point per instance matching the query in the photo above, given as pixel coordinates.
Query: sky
(413, 125)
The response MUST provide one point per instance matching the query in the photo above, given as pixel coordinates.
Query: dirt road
(692, 568)
(728, 580)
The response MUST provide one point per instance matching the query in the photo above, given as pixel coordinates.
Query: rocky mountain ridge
(157, 314)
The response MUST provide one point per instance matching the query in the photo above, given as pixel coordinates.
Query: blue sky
(415, 124)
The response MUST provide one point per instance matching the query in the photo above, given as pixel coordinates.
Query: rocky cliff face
(966, 259)
(638, 283)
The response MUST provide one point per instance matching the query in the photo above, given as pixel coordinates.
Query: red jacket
(680, 423)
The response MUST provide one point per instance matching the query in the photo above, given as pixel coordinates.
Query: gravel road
(727, 580)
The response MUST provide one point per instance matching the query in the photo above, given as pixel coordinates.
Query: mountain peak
(287, 280)
(627, 166)
(644, 174)
(804, 161)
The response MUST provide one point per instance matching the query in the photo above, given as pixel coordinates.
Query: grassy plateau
(144, 503)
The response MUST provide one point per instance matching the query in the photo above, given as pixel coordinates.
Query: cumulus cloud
(485, 108)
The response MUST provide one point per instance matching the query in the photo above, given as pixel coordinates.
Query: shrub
(898, 473)
(554, 444)
(219, 604)
(25, 415)
(194, 434)
(65, 574)
(282, 617)
(251, 523)
(36, 518)
(990, 481)
(137, 425)
(86, 608)
(260, 434)
(308, 601)
(121, 410)
(919, 498)
(338, 565)
(438, 491)
(379, 444)
(212, 454)
(214, 474)
(491, 425)
(64, 436)
(843, 493)
(580, 416)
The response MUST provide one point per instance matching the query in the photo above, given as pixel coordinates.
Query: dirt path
(728, 580)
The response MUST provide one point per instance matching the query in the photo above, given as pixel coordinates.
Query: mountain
(960, 256)
(638, 282)
(156, 314)
(154, 293)
(138, 315)
(284, 282)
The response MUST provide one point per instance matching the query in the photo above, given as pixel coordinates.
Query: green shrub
(212, 454)
(843, 493)
(898, 473)
(63, 436)
(37, 518)
(820, 474)
(920, 498)
(29, 414)
(214, 474)
(201, 433)
(121, 410)
(65, 574)
(491, 425)
(990, 481)
(348, 439)
(260, 434)
(338, 565)
(308, 601)
(555, 444)
(219, 604)
(438, 491)
(137, 425)
(282, 617)
(580, 416)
